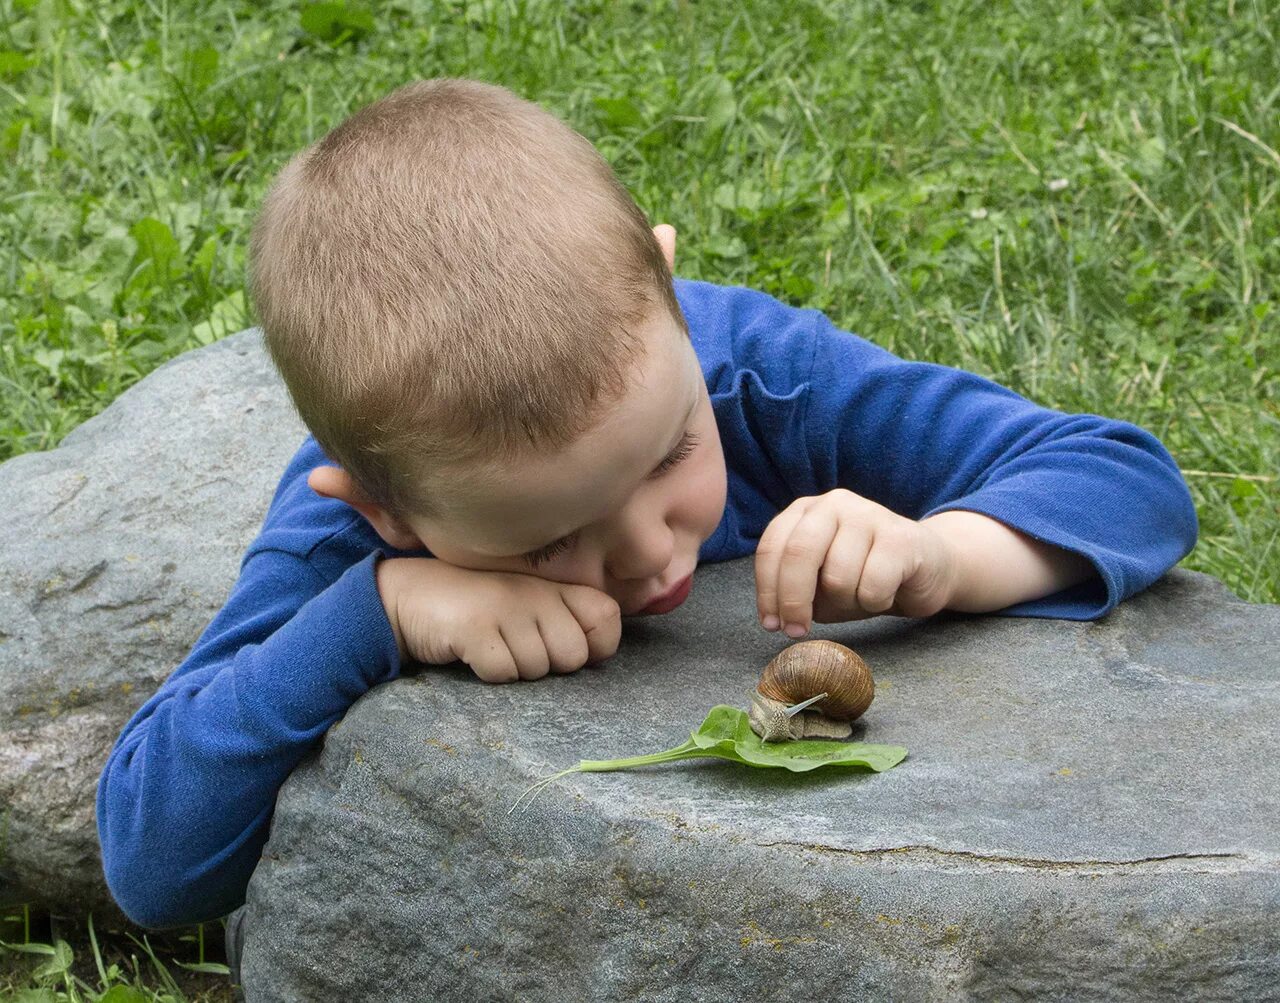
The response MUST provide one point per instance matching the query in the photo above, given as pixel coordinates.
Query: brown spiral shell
(812, 667)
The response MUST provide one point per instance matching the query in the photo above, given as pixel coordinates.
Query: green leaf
(1151, 155)
(336, 22)
(34, 996)
(158, 258)
(1241, 488)
(618, 113)
(201, 66)
(227, 317)
(202, 260)
(28, 948)
(14, 64)
(50, 359)
(207, 967)
(714, 97)
(725, 245)
(57, 965)
(127, 994)
(740, 198)
(726, 733)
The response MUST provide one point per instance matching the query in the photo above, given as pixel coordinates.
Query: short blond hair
(452, 275)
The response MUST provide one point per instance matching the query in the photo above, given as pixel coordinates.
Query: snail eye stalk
(797, 708)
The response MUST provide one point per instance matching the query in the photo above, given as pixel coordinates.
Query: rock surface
(1088, 811)
(119, 547)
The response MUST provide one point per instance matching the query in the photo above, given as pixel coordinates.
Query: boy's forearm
(387, 576)
(997, 566)
(184, 800)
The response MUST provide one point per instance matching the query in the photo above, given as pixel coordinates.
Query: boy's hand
(506, 626)
(838, 556)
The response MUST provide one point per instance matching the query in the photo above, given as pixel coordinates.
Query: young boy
(523, 430)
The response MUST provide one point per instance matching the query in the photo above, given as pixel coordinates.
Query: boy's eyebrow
(680, 435)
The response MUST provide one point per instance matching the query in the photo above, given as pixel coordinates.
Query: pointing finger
(802, 557)
(769, 559)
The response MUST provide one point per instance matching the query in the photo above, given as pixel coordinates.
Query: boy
(523, 430)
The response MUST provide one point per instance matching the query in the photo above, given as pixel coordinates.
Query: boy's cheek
(711, 490)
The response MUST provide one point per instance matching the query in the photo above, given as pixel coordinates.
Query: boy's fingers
(564, 639)
(882, 575)
(599, 618)
(802, 557)
(524, 641)
(841, 574)
(491, 660)
(769, 557)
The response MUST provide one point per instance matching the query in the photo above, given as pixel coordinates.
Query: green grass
(111, 966)
(1076, 199)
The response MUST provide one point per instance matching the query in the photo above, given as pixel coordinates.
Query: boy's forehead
(528, 504)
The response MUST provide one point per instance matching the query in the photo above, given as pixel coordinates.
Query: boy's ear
(334, 482)
(666, 234)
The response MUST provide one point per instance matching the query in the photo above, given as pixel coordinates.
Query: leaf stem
(604, 765)
(685, 751)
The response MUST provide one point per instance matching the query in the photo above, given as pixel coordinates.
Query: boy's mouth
(670, 599)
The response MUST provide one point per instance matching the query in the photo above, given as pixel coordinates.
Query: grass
(120, 967)
(1077, 199)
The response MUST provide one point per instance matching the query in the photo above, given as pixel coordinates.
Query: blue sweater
(186, 797)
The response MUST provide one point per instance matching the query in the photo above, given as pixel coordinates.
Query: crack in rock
(917, 855)
(82, 480)
(57, 587)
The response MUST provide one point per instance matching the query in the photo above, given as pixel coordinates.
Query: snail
(824, 675)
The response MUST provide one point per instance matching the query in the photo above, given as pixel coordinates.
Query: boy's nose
(641, 551)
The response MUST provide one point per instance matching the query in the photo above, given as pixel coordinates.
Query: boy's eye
(677, 455)
(549, 551)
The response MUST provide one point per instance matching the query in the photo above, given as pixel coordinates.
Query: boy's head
(457, 290)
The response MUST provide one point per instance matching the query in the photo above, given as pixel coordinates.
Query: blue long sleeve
(186, 797)
(804, 407)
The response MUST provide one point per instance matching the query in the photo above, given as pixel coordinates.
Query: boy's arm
(186, 797)
(927, 440)
(805, 408)
(840, 556)
(996, 566)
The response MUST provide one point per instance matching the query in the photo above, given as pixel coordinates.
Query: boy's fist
(506, 626)
(838, 556)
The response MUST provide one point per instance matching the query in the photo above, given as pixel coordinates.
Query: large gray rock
(1088, 811)
(119, 547)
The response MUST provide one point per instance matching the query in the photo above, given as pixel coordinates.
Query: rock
(1088, 811)
(119, 547)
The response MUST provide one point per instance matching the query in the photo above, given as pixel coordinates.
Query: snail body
(801, 672)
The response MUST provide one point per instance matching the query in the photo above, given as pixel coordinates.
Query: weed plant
(126, 968)
(1077, 199)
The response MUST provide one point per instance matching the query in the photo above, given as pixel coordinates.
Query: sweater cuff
(363, 637)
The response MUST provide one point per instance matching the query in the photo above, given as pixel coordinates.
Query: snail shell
(812, 667)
